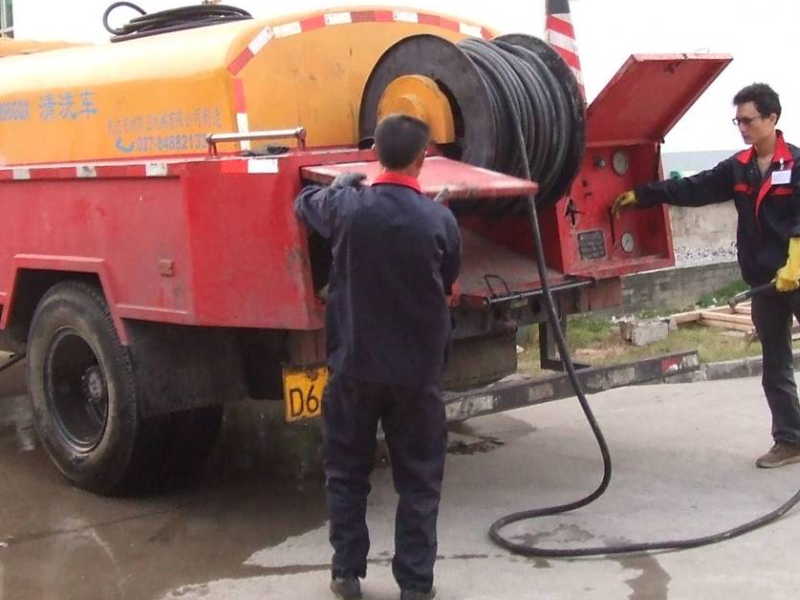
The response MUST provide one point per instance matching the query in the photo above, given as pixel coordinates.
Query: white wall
(761, 35)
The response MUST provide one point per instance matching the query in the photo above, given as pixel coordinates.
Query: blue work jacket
(396, 255)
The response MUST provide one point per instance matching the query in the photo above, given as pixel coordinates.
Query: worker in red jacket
(396, 255)
(763, 181)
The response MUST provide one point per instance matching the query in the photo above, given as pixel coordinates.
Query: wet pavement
(683, 467)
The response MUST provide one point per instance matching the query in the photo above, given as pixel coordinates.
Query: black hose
(529, 550)
(175, 19)
(526, 97)
(497, 66)
(11, 362)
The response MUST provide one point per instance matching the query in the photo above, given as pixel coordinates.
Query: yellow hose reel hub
(419, 96)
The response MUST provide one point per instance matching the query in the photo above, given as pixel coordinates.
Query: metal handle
(274, 134)
(442, 196)
(747, 294)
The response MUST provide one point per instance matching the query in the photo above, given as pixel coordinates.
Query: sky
(761, 36)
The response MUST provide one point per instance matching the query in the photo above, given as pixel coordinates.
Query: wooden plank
(739, 309)
(684, 317)
(740, 319)
(737, 326)
(719, 309)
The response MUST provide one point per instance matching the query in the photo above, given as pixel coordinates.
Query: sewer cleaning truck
(151, 265)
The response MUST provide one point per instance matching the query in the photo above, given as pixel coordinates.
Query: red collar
(398, 179)
(782, 152)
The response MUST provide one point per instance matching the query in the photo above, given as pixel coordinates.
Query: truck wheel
(83, 393)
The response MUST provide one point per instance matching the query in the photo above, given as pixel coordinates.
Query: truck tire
(84, 397)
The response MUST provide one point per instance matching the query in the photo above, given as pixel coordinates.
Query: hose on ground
(11, 362)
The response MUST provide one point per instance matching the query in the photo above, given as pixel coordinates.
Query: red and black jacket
(769, 210)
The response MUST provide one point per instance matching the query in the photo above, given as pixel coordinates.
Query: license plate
(302, 392)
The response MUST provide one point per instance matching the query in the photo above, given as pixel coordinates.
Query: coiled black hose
(526, 99)
(528, 127)
(492, 87)
(175, 19)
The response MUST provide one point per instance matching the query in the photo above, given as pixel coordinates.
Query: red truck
(152, 268)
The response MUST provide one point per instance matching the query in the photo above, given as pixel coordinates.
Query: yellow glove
(624, 200)
(787, 277)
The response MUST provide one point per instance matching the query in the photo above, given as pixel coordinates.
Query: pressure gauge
(627, 242)
(620, 162)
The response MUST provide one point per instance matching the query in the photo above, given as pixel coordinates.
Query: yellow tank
(10, 47)
(161, 95)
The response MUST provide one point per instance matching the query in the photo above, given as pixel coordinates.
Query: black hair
(399, 140)
(764, 97)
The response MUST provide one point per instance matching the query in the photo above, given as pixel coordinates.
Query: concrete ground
(683, 458)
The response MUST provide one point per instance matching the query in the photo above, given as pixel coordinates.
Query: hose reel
(494, 89)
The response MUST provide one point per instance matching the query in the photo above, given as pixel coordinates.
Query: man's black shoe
(417, 595)
(346, 588)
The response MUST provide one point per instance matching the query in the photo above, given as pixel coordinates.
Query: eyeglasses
(746, 121)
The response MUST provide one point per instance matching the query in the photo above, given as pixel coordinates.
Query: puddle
(652, 583)
(472, 445)
(561, 534)
(16, 424)
(57, 541)
(77, 551)
(498, 426)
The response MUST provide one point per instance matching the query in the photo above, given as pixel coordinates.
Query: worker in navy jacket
(763, 182)
(396, 255)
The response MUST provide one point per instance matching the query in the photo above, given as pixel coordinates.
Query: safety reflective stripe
(330, 19)
(85, 171)
(560, 34)
(333, 18)
(152, 168)
(156, 169)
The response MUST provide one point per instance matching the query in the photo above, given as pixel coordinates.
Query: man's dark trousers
(414, 423)
(772, 313)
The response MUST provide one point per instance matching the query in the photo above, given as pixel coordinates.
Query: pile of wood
(737, 318)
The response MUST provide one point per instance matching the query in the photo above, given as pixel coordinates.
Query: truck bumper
(517, 391)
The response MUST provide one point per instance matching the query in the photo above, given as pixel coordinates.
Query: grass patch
(722, 295)
(598, 342)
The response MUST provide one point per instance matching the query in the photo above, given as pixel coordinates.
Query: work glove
(624, 200)
(787, 277)
(348, 180)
